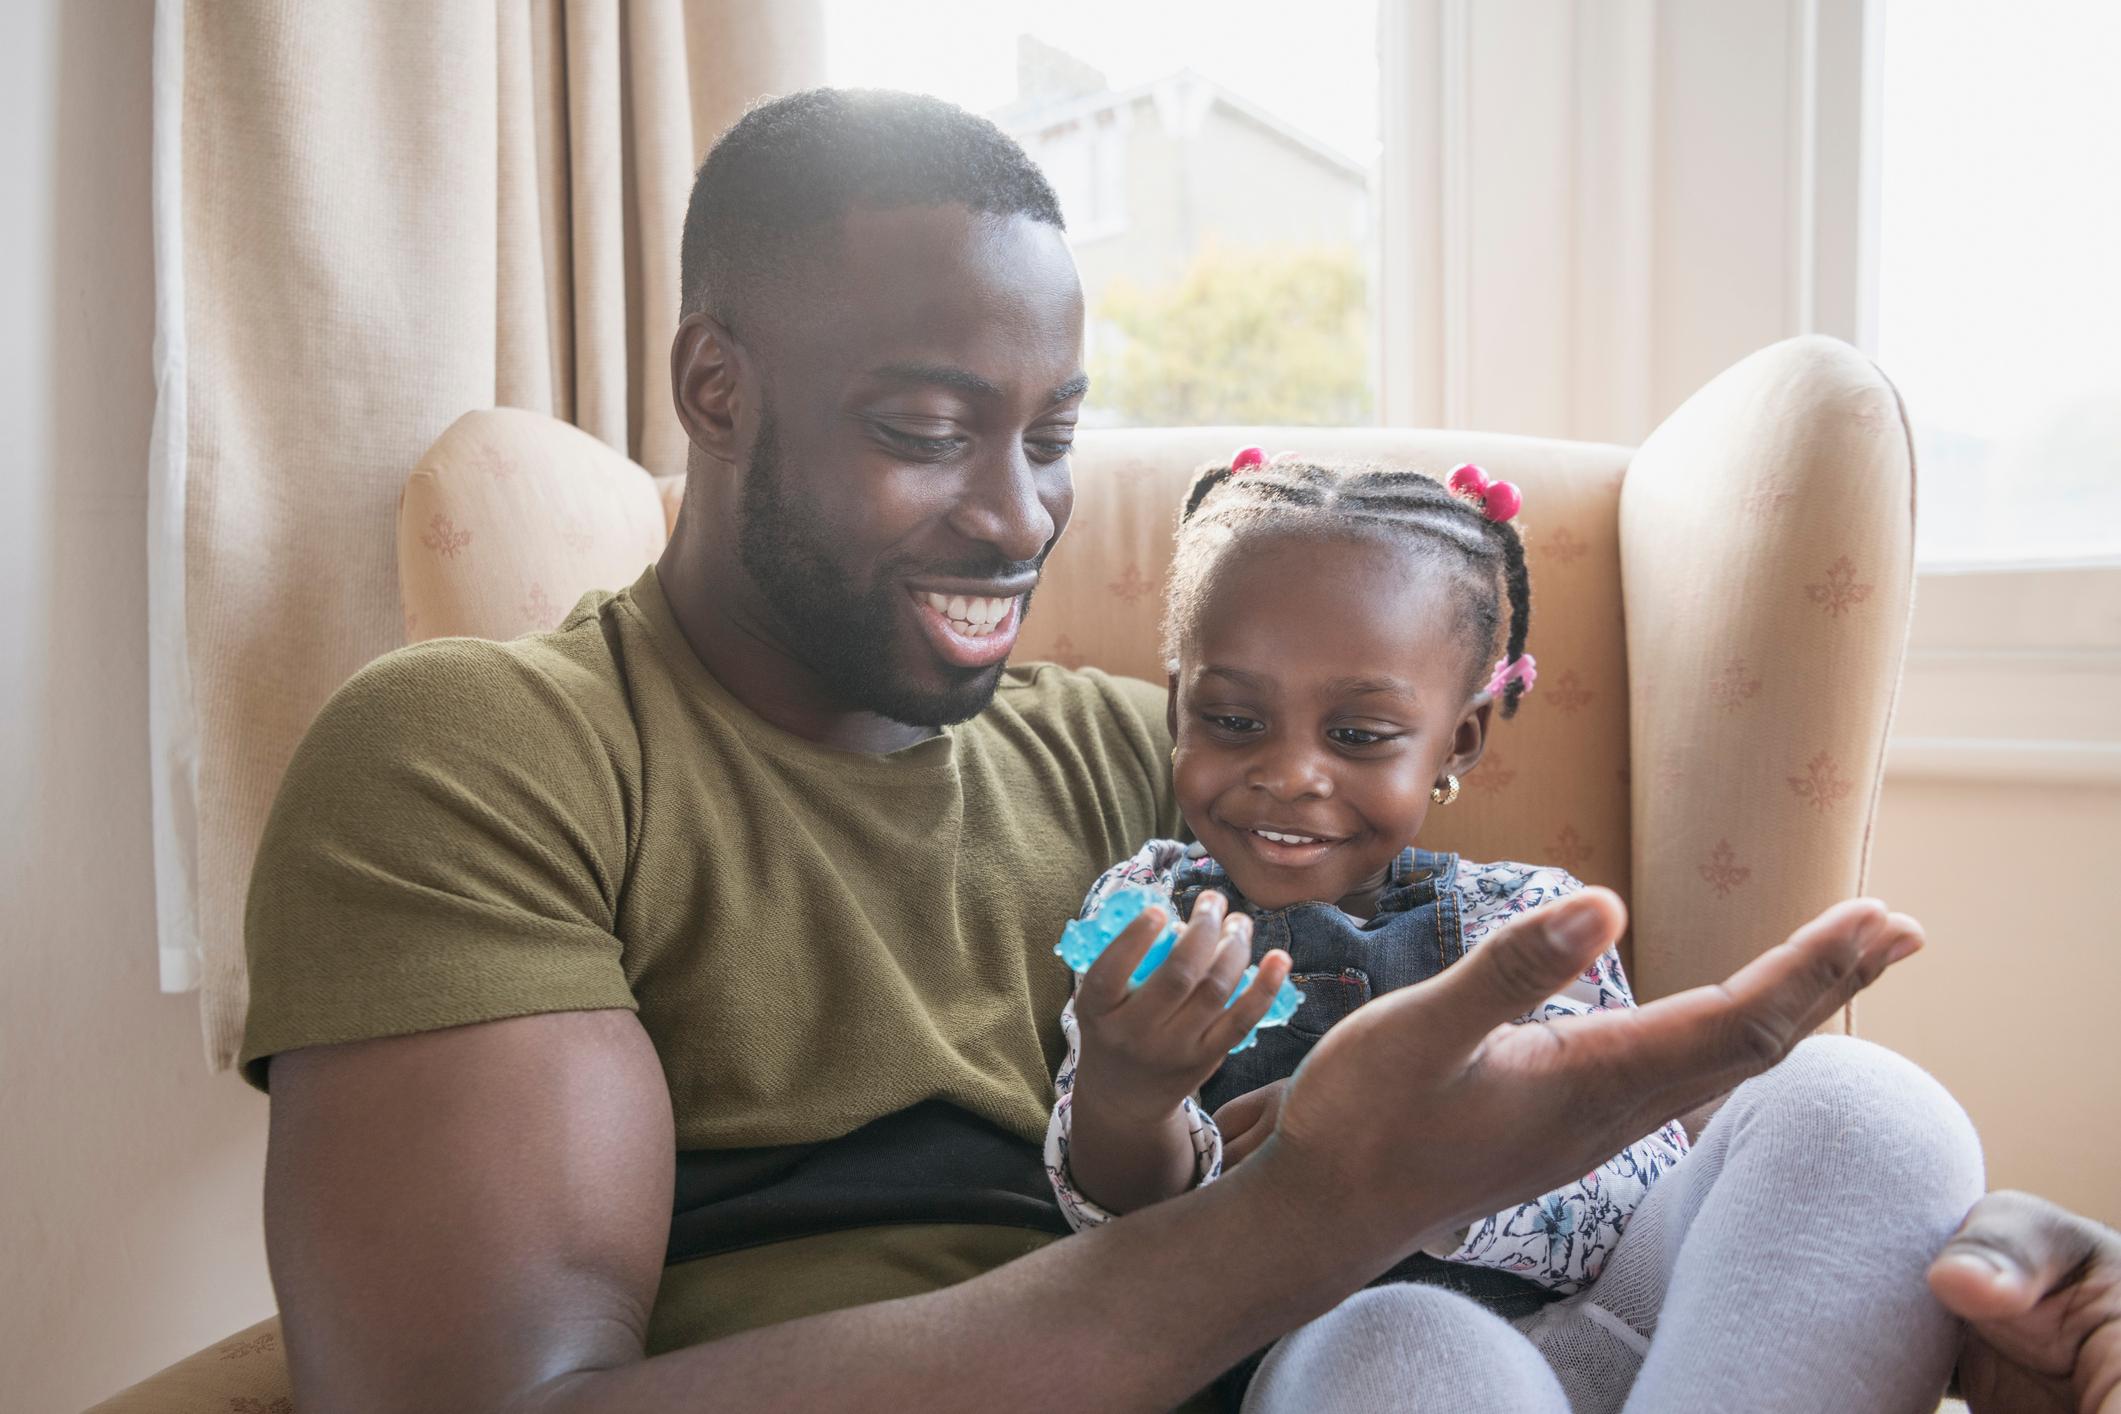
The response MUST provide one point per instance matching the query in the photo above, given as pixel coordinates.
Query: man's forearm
(1135, 1315)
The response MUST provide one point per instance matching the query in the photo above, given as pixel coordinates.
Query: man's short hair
(780, 180)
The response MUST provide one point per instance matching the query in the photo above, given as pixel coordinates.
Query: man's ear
(708, 385)
(1470, 741)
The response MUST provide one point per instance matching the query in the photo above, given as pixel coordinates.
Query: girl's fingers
(1104, 985)
(1233, 951)
(1245, 1110)
(1231, 1023)
(1178, 974)
(1240, 1146)
(1248, 1120)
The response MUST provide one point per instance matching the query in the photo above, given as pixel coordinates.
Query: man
(2040, 1290)
(658, 1013)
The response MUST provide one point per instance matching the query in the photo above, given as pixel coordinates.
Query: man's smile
(968, 630)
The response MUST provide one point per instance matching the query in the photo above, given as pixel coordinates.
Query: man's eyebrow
(965, 381)
(1074, 388)
(938, 375)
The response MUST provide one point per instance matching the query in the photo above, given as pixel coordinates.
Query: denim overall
(1340, 964)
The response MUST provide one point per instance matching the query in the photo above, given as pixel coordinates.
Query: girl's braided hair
(1485, 557)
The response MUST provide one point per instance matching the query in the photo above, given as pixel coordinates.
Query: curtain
(370, 219)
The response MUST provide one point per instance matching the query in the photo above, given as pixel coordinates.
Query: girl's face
(1320, 695)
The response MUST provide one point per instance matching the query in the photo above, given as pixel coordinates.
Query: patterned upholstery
(510, 517)
(1719, 620)
(244, 1374)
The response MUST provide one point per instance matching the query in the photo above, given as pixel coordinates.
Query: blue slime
(1085, 939)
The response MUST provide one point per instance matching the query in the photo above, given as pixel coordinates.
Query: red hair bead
(1469, 480)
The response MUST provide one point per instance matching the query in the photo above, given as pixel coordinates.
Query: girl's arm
(1148, 1160)
(1144, 1158)
(1125, 1130)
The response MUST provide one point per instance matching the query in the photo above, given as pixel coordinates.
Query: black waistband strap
(932, 1163)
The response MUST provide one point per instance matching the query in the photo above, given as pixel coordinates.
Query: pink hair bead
(1245, 457)
(1469, 480)
(1524, 669)
(1502, 501)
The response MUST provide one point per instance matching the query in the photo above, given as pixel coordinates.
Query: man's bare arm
(474, 1219)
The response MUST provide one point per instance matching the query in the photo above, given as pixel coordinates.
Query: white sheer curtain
(370, 219)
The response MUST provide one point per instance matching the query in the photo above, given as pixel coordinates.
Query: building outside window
(1215, 166)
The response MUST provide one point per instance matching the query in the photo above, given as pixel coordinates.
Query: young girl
(1329, 636)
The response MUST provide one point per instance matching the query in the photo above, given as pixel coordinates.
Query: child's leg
(1399, 1348)
(1780, 1266)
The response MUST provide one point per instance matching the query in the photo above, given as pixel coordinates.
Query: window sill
(2013, 676)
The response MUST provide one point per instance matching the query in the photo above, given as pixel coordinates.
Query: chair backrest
(1719, 618)
(511, 516)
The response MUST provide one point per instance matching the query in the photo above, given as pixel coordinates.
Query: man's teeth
(1280, 838)
(971, 615)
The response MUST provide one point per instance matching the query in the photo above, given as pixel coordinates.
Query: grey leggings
(1778, 1267)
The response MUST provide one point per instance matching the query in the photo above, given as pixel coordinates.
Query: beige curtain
(371, 218)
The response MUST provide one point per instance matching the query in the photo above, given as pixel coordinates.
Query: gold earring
(1445, 793)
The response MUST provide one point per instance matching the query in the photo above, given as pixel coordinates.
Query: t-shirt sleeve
(447, 847)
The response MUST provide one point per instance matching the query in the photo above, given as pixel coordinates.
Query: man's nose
(1004, 506)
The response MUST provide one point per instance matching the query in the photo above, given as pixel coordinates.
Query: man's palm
(1432, 1090)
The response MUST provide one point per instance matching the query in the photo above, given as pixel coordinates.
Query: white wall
(2009, 1005)
(129, 1176)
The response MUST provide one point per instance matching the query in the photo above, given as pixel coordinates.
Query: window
(1085, 157)
(1215, 164)
(1999, 272)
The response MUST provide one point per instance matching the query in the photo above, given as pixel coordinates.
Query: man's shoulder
(542, 697)
(573, 667)
(446, 847)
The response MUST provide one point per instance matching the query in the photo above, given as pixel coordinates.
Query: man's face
(909, 470)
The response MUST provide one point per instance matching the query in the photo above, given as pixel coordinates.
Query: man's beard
(841, 632)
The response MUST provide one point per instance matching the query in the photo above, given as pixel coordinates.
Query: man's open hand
(2040, 1290)
(1431, 1090)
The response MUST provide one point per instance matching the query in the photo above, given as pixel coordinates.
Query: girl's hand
(1145, 1049)
(1247, 1120)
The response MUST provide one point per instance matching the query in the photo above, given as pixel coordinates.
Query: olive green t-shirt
(812, 938)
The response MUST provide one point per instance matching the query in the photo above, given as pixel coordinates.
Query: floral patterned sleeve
(1561, 1241)
(1154, 865)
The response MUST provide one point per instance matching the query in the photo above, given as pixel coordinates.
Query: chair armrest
(1767, 556)
(246, 1374)
(510, 517)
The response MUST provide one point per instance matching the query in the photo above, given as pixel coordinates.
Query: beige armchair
(1719, 618)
